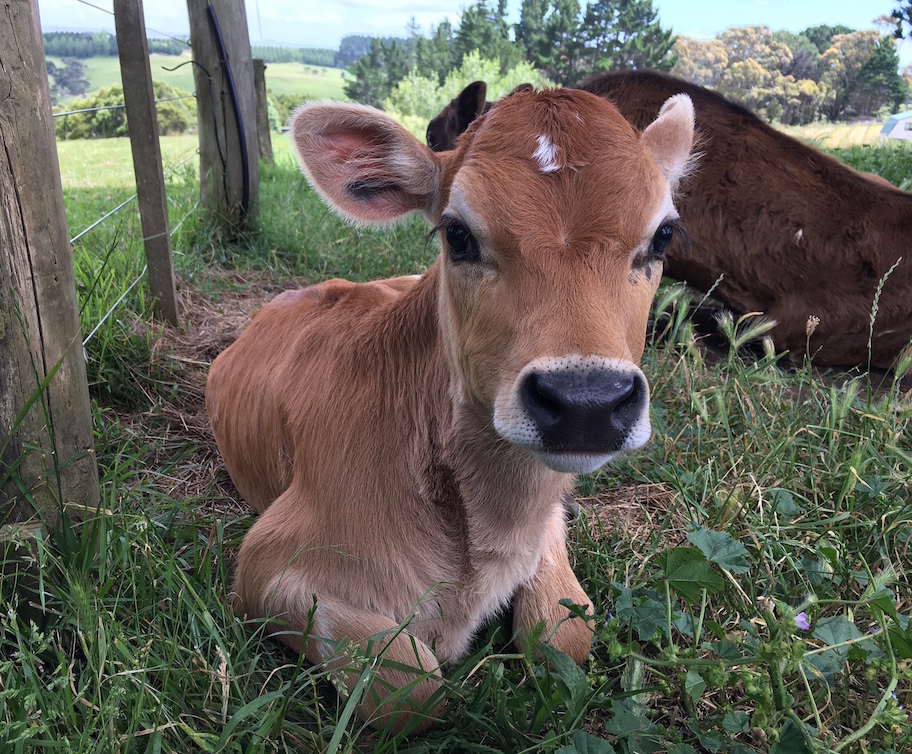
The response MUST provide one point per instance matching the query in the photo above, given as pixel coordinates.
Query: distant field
(283, 78)
(310, 80)
(106, 163)
(836, 135)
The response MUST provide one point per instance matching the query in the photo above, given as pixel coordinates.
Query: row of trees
(87, 44)
(555, 36)
(306, 55)
(832, 72)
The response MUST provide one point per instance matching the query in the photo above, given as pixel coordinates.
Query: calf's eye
(462, 244)
(661, 239)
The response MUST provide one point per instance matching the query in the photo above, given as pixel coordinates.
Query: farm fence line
(46, 440)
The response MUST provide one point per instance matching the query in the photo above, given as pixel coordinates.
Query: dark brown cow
(407, 442)
(781, 227)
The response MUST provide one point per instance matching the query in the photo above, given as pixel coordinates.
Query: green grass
(767, 494)
(314, 82)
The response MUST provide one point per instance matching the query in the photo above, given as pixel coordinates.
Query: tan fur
(778, 227)
(358, 419)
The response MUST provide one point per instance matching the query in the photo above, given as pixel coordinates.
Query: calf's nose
(584, 412)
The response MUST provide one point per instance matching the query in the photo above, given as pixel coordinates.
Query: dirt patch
(184, 462)
(635, 513)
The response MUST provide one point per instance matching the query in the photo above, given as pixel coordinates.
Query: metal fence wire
(181, 162)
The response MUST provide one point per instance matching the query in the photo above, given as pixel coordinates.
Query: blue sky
(322, 24)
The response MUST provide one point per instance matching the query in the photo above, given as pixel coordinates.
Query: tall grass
(748, 568)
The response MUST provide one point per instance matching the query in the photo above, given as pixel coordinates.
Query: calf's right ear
(363, 163)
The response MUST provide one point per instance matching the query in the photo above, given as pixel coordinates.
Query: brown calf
(782, 227)
(408, 442)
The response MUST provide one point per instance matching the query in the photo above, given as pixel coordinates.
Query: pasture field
(837, 135)
(749, 568)
(314, 82)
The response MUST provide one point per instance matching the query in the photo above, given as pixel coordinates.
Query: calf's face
(553, 214)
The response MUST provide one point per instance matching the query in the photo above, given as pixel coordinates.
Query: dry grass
(633, 513)
(837, 135)
(179, 425)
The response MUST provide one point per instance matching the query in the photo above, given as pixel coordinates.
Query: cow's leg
(406, 680)
(538, 601)
(405, 677)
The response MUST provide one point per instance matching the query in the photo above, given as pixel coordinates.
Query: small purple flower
(801, 620)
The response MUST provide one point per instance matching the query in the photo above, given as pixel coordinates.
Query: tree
(903, 17)
(70, 81)
(417, 99)
(626, 34)
(879, 80)
(701, 62)
(751, 65)
(436, 56)
(174, 116)
(351, 49)
(756, 63)
(822, 35)
(842, 63)
(530, 31)
(549, 32)
(562, 38)
(804, 55)
(375, 74)
(485, 29)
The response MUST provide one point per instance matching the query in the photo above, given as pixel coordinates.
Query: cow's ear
(363, 163)
(470, 104)
(670, 137)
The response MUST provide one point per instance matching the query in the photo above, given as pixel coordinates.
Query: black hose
(236, 106)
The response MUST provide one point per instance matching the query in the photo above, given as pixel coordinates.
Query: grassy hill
(283, 78)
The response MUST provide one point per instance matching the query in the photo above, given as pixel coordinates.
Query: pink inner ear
(345, 144)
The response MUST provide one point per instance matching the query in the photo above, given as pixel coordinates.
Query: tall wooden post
(229, 169)
(46, 450)
(142, 120)
(264, 137)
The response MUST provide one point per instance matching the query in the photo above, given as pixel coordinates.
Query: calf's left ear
(363, 163)
(670, 138)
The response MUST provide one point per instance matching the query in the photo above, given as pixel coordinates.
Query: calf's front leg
(344, 638)
(538, 601)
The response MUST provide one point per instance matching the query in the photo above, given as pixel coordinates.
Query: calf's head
(554, 213)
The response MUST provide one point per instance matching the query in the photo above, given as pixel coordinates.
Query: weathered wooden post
(46, 450)
(229, 169)
(142, 120)
(263, 135)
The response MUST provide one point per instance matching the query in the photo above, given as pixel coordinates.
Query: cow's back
(253, 394)
(782, 228)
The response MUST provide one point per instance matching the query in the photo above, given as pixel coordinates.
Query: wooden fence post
(47, 449)
(229, 169)
(142, 120)
(264, 137)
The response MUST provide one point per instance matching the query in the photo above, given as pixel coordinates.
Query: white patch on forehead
(546, 155)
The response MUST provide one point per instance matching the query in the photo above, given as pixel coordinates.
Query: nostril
(541, 398)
